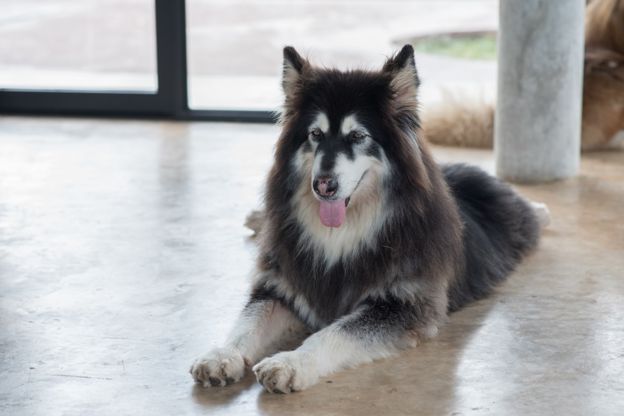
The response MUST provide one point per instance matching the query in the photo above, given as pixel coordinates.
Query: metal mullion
(79, 103)
(171, 56)
(239, 116)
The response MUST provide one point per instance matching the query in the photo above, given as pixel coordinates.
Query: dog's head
(344, 132)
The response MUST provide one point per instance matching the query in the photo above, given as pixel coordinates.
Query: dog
(458, 121)
(365, 242)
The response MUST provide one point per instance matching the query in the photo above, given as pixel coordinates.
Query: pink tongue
(333, 213)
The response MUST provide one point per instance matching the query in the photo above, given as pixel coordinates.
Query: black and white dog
(366, 241)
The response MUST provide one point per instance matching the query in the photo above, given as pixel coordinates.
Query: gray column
(540, 78)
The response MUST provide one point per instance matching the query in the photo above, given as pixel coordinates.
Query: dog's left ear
(403, 60)
(294, 65)
(402, 67)
(404, 80)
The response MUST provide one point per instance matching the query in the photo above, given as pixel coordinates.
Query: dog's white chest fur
(364, 219)
(365, 214)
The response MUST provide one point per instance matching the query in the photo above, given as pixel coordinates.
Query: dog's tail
(460, 121)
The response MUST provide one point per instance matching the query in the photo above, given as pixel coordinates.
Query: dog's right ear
(293, 67)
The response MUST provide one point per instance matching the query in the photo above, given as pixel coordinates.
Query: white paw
(285, 372)
(220, 367)
(542, 212)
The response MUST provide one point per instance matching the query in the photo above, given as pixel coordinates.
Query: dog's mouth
(333, 212)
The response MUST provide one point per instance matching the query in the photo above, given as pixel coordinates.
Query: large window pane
(70, 44)
(234, 46)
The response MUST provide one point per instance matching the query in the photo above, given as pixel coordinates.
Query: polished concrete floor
(123, 257)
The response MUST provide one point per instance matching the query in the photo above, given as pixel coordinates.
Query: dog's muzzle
(325, 186)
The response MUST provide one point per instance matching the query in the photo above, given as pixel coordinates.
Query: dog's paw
(219, 367)
(542, 212)
(285, 372)
(255, 220)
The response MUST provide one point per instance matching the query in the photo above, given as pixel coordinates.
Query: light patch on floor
(123, 257)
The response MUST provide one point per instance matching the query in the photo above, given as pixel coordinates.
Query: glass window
(78, 45)
(235, 46)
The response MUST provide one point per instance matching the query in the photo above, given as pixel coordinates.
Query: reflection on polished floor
(123, 257)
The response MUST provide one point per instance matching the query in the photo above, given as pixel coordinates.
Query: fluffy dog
(365, 241)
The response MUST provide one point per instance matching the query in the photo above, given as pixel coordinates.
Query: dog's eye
(316, 134)
(357, 136)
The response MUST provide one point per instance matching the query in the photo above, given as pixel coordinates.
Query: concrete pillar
(540, 79)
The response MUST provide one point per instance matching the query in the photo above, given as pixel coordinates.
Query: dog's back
(499, 229)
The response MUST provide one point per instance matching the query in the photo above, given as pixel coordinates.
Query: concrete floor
(123, 257)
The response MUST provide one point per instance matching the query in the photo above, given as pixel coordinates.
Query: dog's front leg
(374, 330)
(261, 326)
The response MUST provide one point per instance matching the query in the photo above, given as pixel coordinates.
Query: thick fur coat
(365, 241)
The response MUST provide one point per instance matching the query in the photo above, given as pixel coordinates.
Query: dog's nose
(325, 185)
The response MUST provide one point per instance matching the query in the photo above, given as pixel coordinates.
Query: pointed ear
(403, 65)
(404, 80)
(293, 68)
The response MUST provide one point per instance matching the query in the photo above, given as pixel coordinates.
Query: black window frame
(170, 100)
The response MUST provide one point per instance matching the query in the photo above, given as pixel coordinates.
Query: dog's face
(340, 129)
(342, 154)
